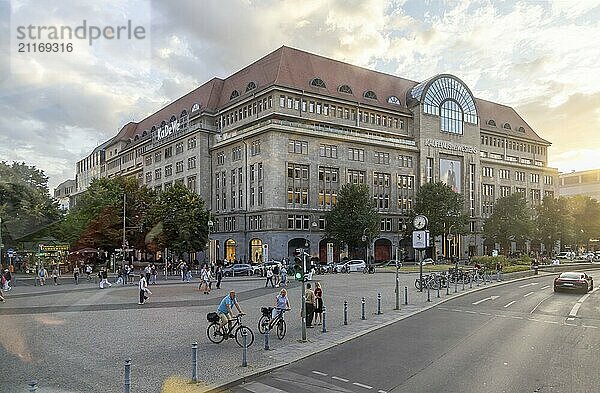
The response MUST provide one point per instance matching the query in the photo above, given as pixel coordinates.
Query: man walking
(498, 271)
(310, 306)
(104, 276)
(269, 278)
(143, 285)
(219, 275)
(76, 274)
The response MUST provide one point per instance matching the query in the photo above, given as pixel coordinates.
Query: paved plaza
(76, 338)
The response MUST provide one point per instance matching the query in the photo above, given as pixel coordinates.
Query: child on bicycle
(281, 303)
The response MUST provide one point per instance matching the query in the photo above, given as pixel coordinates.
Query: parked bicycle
(217, 335)
(369, 269)
(431, 281)
(267, 322)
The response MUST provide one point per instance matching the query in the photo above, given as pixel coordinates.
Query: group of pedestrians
(276, 276)
(314, 305)
(207, 278)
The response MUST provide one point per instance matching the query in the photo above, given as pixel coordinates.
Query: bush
(490, 262)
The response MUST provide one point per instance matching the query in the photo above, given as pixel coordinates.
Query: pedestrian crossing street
(290, 382)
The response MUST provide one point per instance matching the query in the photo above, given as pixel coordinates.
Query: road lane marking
(533, 319)
(319, 373)
(517, 317)
(545, 287)
(574, 310)
(485, 313)
(382, 391)
(470, 312)
(485, 300)
(570, 324)
(527, 285)
(555, 322)
(257, 387)
(570, 319)
(500, 315)
(339, 379)
(537, 305)
(588, 326)
(362, 386)
(527, 294)
(510, 304)
(457, 310)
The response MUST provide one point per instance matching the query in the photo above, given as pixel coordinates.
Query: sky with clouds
(541, 57)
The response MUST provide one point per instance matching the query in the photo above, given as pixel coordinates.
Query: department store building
(269, 147)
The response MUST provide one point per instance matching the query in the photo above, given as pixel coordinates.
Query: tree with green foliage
(585, 213)
(180, 221)
(97, 219)
(510, 221)
(354, 214)
(25, 202)
(443, 207)
(553, 222)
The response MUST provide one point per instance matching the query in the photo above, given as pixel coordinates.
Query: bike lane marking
(339, 379)
(362, 385)
(577, 305)
(528, 294)
(527, 285)
(510, 304)
(319, 373)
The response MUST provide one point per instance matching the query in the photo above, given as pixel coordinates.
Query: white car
(353, 265)
(565, 255)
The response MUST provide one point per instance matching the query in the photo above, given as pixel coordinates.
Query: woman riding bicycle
(282, 304)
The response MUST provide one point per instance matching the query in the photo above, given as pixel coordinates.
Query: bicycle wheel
(281, 328)
(263, 324)
(418, 284)
(214, 333)
(239, 336)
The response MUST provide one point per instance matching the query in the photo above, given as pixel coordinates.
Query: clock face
(420, 222)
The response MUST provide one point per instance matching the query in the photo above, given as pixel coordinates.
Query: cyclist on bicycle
(225, 312)
(282, 304)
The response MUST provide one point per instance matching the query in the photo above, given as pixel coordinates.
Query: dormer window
(136, 137)
(345, 89)
(234, 94)
(393, 100)
(506, 126)
(250, 86)
(318, 82)
(370, 95)
(145, 133)
(491, 123)
(521, 129)
(195, 107)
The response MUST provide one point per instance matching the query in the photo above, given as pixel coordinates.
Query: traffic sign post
(420, 242)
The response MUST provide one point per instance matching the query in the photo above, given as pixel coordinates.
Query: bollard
(470, 282)
(428, 294)
(32, 387)
(127, 376)
(438, 290)
(345, 312)
(267, 339)
(379, 304)
(477, 279)
(484, 278)
(447, 284)
(455, 284)
(195, 362)
(397, 294)
(463, 287)
(323, 319)
(405, 296)
(362, 308)
(245, 349)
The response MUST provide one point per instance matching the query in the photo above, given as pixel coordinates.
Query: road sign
(420, 239)
(55, 247)
(10, 252)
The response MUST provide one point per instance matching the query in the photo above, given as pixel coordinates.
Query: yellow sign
(57, 247)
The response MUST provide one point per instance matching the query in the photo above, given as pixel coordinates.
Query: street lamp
(400, 237)
(364, 239)
(304, 272)
(210, 228)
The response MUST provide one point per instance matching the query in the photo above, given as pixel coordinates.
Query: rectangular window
(168, 170)
(329, 151)
(535, 178)
(179, 148)
(191, 162)
(191, 183)
(488, 172)
(255, 147)
(148, 177)
(157, 173)
(429, 169)
(356, 154)
(355, 176)
(169, 152)
(157, 157)
(148, 160)
(236, 153)
(297, 147)
(382, 158)
(179, 167)
(282, 101)
(191, 143)
(297, 184)
(220, 158)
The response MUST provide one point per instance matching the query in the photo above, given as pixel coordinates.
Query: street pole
(397, 283)
(123, 246)
(304, 299)
(420, 270)
(1, 244)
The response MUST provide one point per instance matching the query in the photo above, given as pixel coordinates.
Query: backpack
(42, 273)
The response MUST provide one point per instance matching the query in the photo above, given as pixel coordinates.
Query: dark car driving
(573, 281)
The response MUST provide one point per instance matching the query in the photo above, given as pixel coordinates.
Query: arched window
(345, 89)
(317, 82)
(234, 94)
(195, 107)
(370, 95)
(183, 113)
(250, 86)
(521, 129)
(163, 123)
(393, 100)
(491, 123)
(451, 117)
(173, 118)
(506, 126)
(153, 129)
(145, 133)
(136, 137)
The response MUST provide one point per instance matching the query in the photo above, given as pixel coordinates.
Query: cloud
(536, 56)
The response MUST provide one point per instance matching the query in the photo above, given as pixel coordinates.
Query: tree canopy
(510, 221)
(443, 207)
(25, 202)
(354, 213)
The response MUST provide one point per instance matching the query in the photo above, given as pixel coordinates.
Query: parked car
(353, 265)
(391, 263)
(261, 269)
(565, 255)
(241, 269)
(573, 281)
(427, 261)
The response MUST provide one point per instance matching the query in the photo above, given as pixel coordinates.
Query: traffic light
(298, 269)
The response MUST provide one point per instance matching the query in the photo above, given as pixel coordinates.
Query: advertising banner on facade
(451, 173)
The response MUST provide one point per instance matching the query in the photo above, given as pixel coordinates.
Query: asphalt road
(518, 337)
